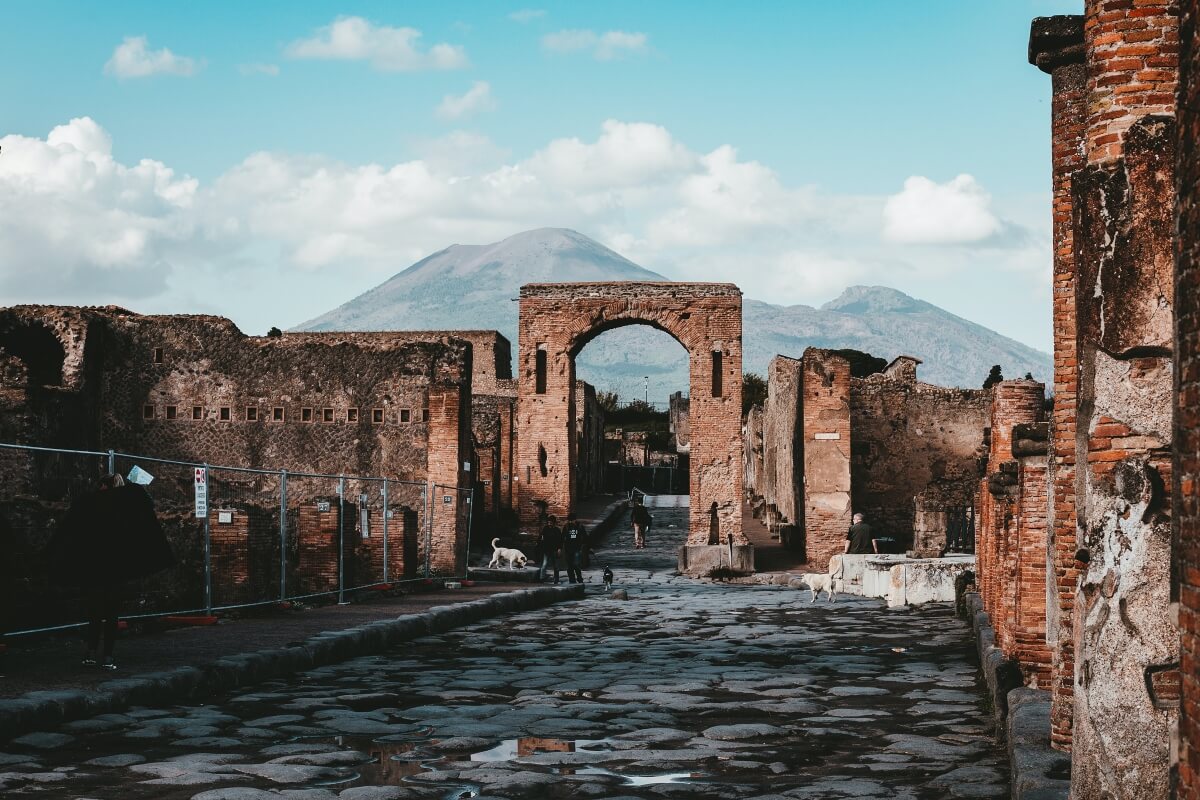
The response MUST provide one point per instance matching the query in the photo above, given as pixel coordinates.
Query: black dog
(608, 578)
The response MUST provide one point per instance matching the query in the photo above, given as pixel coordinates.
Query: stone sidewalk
(44, 684)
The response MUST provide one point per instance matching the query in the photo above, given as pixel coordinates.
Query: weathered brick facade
(1187, 401)
(558, 320)
(827, 444)
(195, 389)
(1056, 47)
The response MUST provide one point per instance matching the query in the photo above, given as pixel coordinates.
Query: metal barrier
(261, 536)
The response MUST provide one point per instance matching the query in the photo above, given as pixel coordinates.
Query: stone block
(926, 580)
(699, 560)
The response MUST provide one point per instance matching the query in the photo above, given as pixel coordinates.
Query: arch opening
(38, 349)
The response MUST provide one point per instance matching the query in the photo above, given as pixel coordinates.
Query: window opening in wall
(539, 382)
(147, 412)
(542, 460)
(351, 415)
(158, 355)
(197, 412)
(172, 412)
(405, 415)
(424, 415)
(251, 414)
(716, 373)
(225, 414)
(377, 416)
(277, 414)
(326, 415)
(306, 415)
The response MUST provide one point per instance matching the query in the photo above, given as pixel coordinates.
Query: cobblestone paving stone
(687, 689)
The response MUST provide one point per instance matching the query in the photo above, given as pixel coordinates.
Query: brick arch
(557, 320)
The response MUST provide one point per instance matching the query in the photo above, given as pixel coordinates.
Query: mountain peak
(873, 300)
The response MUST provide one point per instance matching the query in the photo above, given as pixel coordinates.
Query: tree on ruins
(994, 377)
(754, 391)
(274, 333)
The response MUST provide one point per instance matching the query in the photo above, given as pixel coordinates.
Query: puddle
(642, 780)
(512, 749)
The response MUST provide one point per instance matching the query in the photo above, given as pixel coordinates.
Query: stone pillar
(1056, 47)
(1187, 401)
(1126, 645)
(449, 451)
(781, 433)
(825, 451)
(1030, 649)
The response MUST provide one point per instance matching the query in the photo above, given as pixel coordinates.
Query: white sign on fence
(201, 492)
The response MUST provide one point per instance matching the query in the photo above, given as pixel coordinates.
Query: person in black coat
(575, 545)
(551, 543)
(641, 523)
(108, 538)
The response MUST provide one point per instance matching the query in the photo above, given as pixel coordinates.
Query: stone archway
(558, 319)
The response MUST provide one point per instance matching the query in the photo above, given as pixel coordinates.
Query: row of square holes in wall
(279, 414)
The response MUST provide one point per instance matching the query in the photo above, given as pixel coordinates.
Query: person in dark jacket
(575, 544)
(108, 538)
(641, 524)
(551, 543)
(860, 539)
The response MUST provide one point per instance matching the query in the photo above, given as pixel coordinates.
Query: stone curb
(42, 710)
(1022, 716)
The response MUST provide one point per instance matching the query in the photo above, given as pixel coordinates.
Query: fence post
(470, 519)
(426, 492)
(282, 535)
(385, 530)
(208, 604)
(341, 491)
(112, 462)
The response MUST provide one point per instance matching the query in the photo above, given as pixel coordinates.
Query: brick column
(449, 449)
(1030, 448)
(1056, 47)
(1187, 401)
(825, 449)
(1122, 209)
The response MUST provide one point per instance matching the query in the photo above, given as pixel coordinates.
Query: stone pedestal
(698, 560)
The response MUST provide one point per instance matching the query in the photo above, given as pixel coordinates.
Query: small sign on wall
(225, 517)
(447, 499)
(827, 436)
(323, 506)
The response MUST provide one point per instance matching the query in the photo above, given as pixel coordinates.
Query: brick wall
(1056, 46)
(1187, 402)
(825, 447)
(560, 319)
(911, 438)
(782, 478)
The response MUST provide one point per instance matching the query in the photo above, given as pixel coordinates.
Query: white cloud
(477, 99)
(78, 226)
(603, 46)
(132, 59)
(527, 15)
(955, 212)
(259, 69)
(386, 48)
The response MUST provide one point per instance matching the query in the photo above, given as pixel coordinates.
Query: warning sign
(201, 492)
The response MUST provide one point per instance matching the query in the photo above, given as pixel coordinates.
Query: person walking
(108, 538)
(859, 539)
(551, 542)
(575, 543)
(641, 524)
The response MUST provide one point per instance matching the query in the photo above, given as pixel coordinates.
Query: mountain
(475, 286)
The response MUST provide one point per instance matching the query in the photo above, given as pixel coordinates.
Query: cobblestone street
(686, 689)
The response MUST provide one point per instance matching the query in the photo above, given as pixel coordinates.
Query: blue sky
(794, 148)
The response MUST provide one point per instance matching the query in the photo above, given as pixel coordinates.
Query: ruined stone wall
(195, 389)
(825, 452)
(752, 460)
(910, 438)
(1122, 204)
(680, 422)
(558, 320)
(1011, 531)
(783, 467)
(1056, 47)
(1187, 401)
(589, 447)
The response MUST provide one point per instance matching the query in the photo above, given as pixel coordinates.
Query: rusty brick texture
(558, 320)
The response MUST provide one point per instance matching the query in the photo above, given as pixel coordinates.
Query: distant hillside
(475, 286)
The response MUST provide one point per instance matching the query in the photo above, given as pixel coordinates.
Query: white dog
(827, 583)
(515, 557)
